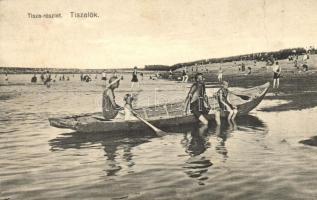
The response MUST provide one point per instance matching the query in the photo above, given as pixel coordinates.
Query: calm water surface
(258, 158)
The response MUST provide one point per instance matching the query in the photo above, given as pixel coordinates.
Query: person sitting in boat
(110, 108)
(222, 96)
(197, 99)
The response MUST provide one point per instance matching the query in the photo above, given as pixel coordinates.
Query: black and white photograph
(158, 100)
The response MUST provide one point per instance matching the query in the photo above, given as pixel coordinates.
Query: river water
(258, 158)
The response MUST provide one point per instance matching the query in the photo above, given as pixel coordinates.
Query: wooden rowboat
(166, 115)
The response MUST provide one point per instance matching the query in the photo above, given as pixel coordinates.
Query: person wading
(110, 108)
(197, 100)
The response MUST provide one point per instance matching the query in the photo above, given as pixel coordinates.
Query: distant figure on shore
(141, 74)
(170, 75)
(104, 76)
(6, 78)
(296, 63)
(222, 96)
(34, 79)
(276, 75)
(197, 100)
(81, 77)
(110, 108)
(305, 58)
(87, 78)
(48, 79)
(249, 70)
(220, 74)
(184, 76)
(305, 67)
(42, 77)
(67, 78)
(135, 78)
(243, 67)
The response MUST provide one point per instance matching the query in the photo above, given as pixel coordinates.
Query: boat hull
(160, 115)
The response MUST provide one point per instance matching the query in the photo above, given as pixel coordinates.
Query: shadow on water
(195, 142)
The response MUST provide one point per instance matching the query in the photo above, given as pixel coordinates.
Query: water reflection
(197, 141)
(111, 145)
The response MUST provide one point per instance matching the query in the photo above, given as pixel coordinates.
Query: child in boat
(224, 103)
(128, 114)
(110, 108)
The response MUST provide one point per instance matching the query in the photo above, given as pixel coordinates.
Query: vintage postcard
(158, 99)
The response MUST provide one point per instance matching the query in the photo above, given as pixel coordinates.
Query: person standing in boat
(135, 78)
(196, 99)
(222, 96)
(110, 108)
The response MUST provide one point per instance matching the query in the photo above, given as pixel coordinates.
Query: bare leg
(274, 83)
(217, 117)
(235, 111)
(277, 83)
(132, 84)
(203, 119)
(230, 115)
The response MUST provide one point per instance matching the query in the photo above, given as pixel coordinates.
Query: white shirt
(276, 69)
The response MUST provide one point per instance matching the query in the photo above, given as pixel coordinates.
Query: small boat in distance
(163, 115)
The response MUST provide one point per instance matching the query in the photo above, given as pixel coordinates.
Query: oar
(158, 131)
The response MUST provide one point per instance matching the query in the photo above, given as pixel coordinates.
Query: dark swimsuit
(198, 107)
(134, 77)
(109, 111)
(223, 93)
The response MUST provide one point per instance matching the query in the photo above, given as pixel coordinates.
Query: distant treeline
(262, 56)
(29, 70)
(157, 67)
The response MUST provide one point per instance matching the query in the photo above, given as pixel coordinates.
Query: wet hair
(276, 62)
(197, 75)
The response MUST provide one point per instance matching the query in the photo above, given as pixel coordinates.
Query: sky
(131, 33)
